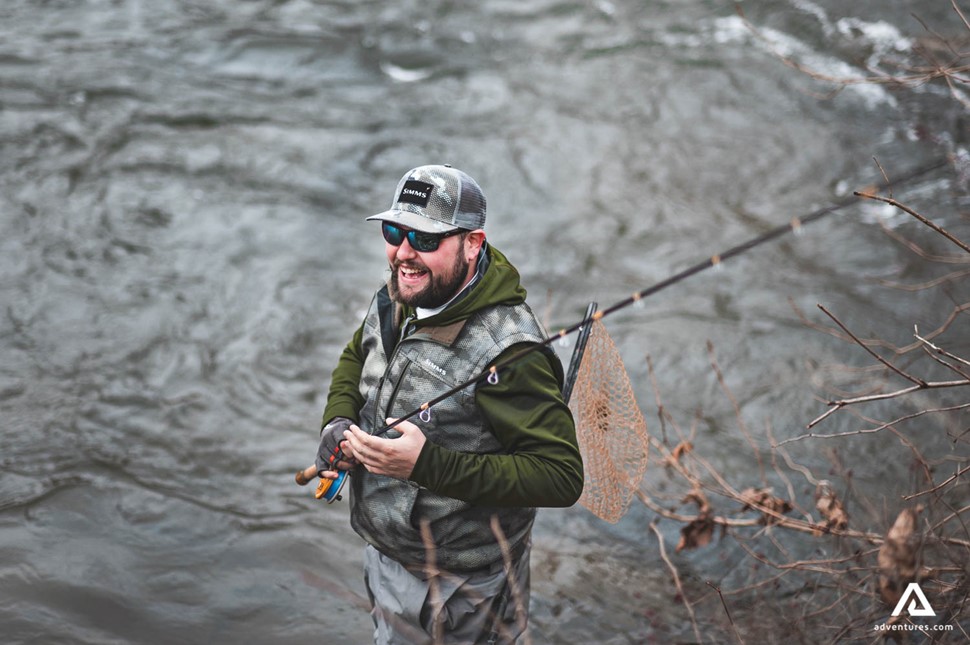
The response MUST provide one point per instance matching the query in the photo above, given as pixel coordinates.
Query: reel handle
(306, 475)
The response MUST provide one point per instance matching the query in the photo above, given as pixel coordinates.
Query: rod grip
(306, 475)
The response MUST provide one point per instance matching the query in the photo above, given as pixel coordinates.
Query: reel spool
(329, 489)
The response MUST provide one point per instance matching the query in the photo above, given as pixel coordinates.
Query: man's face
(427, 280)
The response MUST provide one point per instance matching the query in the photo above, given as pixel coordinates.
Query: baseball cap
(436, 199)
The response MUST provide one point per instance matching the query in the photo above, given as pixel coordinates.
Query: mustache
(410, 264)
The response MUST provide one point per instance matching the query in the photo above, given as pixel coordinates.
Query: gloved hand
(328, 454)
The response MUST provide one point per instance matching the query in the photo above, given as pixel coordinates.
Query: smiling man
(471, 474)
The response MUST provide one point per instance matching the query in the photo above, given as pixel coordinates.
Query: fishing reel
(327, 489)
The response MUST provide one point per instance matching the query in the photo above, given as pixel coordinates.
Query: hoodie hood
(499, 284)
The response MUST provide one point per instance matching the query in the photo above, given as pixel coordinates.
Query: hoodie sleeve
(542, 465)
(344, 398)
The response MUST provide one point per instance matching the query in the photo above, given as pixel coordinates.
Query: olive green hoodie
(525, 411)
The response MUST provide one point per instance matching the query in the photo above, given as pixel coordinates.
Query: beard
(439, 290)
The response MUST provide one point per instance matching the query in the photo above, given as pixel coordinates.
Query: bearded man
(470, 475)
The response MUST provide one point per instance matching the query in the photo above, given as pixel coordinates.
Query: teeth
(407, 271)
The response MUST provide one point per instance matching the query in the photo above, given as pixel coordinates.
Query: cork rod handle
(306, 475)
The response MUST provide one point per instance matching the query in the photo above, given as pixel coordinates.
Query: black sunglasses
(422, 242)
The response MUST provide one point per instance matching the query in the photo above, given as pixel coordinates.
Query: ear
(473, 244)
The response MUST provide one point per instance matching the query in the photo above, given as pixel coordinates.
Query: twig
(806, 473)
(781, 474)
(938, 486)
(434, 591)
(889, 185)
(656, 392)
(806, 565)
(877, 428)
(941, 351)
(687, 519)
(817, 420)
(960, 13)
(917, 250)
(958, 514)
(680, 587)
(783, 521)
(838, 405)
(949, 277)
(953, 368)
(878, 342)
(912, 379)
(727, 611)
(953, 514)
(510, 576)
(924, 220)
(737, 411)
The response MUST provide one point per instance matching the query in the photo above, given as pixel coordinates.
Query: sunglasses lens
(392, 234)
(423, 242)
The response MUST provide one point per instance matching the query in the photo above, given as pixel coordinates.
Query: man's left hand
(391, 457)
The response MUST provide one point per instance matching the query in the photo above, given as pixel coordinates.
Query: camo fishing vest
(387, 512)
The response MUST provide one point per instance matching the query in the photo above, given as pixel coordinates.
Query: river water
(184, 256)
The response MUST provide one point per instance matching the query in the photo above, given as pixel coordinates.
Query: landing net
(610, 427)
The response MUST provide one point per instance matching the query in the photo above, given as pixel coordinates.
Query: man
(425, 496)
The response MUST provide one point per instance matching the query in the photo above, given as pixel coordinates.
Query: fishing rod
(491, 374)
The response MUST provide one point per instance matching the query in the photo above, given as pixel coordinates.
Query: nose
(404, 251)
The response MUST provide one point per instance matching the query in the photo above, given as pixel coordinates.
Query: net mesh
(610, 427)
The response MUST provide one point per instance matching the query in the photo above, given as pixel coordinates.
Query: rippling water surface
(182, 189)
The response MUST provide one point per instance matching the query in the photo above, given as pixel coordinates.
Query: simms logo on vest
(439, 370)
(923, 609)
(416, 192)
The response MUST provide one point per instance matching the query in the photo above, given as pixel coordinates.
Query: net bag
(610, 428)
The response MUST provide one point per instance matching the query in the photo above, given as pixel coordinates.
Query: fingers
(347, 450)
(360, 445)
(365, 447)
(382, 456)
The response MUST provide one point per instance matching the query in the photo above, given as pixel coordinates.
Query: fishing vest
(396, 380)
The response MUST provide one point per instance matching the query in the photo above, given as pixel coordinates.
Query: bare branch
(938, 486)
(960, 13)
(941, 351)
(737, 410)
(924, 220)
(918, 381)
(514, 591)
(878, 342)
(727, 611)
(660, 406)
(889, 184)
(921, 252)
(892, 395)
(877, 428)
(680, 587)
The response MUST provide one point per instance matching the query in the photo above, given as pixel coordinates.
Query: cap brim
(413, 221)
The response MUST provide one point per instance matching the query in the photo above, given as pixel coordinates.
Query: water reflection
(184, 257)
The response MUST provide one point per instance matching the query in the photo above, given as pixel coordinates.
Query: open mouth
(411, 274)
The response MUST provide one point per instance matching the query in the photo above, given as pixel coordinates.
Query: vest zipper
(397, 388)
(379, 422)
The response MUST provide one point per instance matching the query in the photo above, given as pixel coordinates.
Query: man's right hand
(331, 455)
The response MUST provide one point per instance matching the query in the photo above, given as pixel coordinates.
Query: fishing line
(492, 374)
